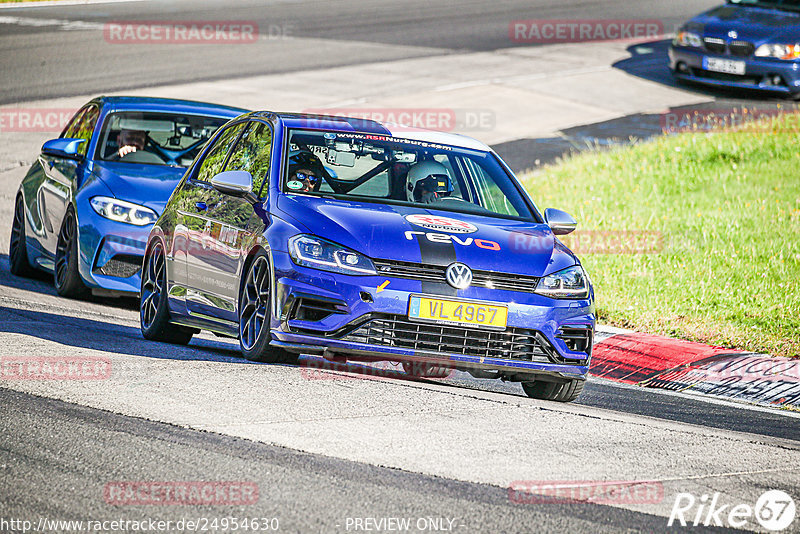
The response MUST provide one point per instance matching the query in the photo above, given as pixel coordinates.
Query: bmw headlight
(122, 211)
(685, 38)
(780, 51)
(571, 283)
(311, 251)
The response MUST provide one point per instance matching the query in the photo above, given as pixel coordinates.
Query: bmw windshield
(393, 170)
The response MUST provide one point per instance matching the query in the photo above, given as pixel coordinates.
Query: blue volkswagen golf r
(356, 240)
(746, 44)
(85, 208)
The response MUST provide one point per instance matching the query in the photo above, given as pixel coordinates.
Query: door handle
(201, 206)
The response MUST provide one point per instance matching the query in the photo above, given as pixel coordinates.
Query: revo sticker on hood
(442, 224)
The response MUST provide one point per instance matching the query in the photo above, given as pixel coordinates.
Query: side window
(73, 124)
(215, 158)
(86, 127)
(253, 153)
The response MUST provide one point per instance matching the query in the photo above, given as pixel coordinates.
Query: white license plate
(728, 66)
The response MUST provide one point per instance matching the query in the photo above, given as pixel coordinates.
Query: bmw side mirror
(236, 184)
(63, 148)
(560, 222)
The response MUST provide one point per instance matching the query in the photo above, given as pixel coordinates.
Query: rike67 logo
(774, 510)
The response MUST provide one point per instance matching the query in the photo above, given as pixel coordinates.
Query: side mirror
(559, 221)
(235, 183)
(63, 148)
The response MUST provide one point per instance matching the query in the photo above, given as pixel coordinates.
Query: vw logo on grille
(459, 275)
(733, 34)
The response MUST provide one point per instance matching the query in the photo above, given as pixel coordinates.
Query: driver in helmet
(305, 172)
(429, 181)
(130, 141)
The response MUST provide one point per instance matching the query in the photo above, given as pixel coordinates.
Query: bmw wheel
(153, 307)
(67, 278)
(554, 391)
(254, 315)
(18, 248)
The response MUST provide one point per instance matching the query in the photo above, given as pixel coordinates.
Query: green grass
(727, 205)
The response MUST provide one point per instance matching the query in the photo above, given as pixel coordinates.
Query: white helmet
(427, 180)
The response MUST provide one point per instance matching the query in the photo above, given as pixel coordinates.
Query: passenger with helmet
(429, 181)
(305, 172)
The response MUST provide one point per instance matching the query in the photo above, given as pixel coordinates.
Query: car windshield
(398, 171)
(155, 138)
(791, 5)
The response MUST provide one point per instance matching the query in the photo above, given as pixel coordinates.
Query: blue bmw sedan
(86, 206)
(353, 239)
(746, 44)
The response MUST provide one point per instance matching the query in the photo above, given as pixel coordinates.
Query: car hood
(385, 232)
(754, 24)
(150, 185)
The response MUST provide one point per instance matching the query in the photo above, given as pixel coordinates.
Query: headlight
(318, 253)
(121, 211)
(685, 38)
(571, 283)
(780, 51)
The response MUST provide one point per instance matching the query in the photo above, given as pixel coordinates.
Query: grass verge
(727, 208)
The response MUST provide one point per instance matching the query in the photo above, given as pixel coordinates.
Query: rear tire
(153, 306)
(66, 277)
(18, 247)
(554, 391)
(255, 315)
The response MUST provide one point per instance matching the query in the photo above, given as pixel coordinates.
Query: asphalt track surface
(60, 445)
(55, 59)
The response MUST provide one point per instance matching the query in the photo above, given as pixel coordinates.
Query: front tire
(67, 279)
(18, 247)
(255, 315)
(153, 306)
(554, 391)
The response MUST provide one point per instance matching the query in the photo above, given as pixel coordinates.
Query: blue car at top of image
(85, 207)
(745, 44)
(357, 240)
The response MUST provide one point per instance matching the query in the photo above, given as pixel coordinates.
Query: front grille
(714, 45)
(435, 273)
(121, 266)
(741, 48)
(512, 344)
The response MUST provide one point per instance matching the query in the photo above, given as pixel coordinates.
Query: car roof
(368, 126)
(149, 103)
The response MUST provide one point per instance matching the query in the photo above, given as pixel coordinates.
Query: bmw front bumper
(763, 74)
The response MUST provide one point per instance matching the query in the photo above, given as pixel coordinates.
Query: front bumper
(687, 64)
(111, 253)
(331, 314)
